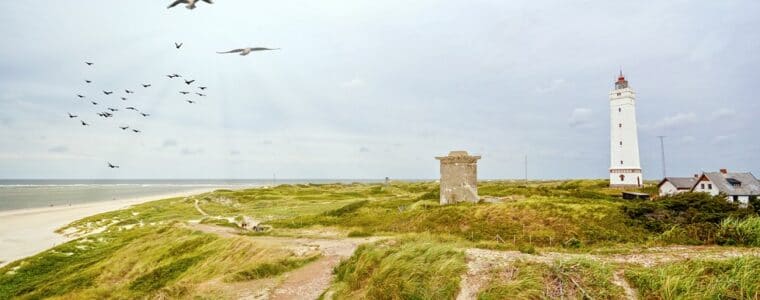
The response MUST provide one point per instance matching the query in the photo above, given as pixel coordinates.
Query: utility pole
(662, 149)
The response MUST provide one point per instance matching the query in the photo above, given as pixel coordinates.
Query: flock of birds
(110, 110)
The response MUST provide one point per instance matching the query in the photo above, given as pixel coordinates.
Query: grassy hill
(539, 240)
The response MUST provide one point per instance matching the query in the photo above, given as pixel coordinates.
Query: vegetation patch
(271, 269)
(737, 278)
(160, 276)
(573, 279)
(412, 267)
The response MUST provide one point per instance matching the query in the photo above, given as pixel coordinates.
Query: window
(619, 94)
(709, 186)
(622, 177)
(703, 186)
(620, 125)
(620, 109)
(621, 143)
(621, 162)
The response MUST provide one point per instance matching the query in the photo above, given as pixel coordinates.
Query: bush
(683, 209)
(740, 232)
(572, 243)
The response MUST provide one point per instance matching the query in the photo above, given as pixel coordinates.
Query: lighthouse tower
(625, 167)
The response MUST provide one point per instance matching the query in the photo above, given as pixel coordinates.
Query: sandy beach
(26, 232)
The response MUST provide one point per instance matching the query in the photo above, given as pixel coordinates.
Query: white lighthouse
(625, 166)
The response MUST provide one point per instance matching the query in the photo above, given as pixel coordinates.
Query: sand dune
(25, 232)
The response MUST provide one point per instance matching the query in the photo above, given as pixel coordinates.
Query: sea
(24, 193)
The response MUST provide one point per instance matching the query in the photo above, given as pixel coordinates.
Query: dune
(25, 232)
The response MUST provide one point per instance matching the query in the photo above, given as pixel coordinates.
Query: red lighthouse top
(621, 82)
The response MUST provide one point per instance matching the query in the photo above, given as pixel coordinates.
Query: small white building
(738, 187)
(676, 185)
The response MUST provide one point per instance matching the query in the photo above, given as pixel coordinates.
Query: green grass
(270, 269)
(573, 279)
(737, 278)
(412, 267)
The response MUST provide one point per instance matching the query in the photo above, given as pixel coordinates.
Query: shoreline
(28, 231)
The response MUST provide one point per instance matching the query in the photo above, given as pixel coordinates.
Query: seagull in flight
(190, 3)
(88, 81)
(131, 108)
(135, 131)
(129, 92)
(107, 92)
(89, 63)
(112, 166)
(123, 99)
(80, 96)
(202, 95)
(94, 103)
(146, 85)
(112, 109)
(144, 114)
(184, 93)
(178, 45)
(72, 116)
(84, 124)
(246, 51)
(173, 75)
(189, 82)
(202, 87)
(124, 127)
(190, 101)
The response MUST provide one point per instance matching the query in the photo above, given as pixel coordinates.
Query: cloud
(722, 113)
(723, 138)
(364, 150)
(188, 151)
(581, 117)
(234, 152)
(353, 83)
(59, 149)
(551, 86)
(677, 120)
(687, 139)
(169, 143)
(266, 142)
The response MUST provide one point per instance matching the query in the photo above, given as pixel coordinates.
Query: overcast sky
(368, 89)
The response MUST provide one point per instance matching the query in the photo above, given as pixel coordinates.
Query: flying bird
(123, 99)
(246, 51)
(184, 93)
(112, 109)
(129, 92)
(107, 92)
(189, 82)
(124, 127)
(146, 85)
(80, 96)
(89, 63)
(112, 166)
(177, 45)
(190, 3)
(144, 114)
(84, 124)
(190, 101)
(135, 131)
(72, 116)
(202, 87)
(94, 103)
(88, 81)
(131, 108)
(202, 95)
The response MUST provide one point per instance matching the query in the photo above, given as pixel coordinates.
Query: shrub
(740, 232)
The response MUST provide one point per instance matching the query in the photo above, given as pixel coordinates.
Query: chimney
(696, 175)
(723, 171)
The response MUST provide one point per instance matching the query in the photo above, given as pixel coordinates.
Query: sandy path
(26, 232)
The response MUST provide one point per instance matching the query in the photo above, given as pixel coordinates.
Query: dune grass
(411, 267)
(271, 269)
(572, 279)
(737, 278)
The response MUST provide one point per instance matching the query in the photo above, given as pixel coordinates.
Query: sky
(369, 89)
